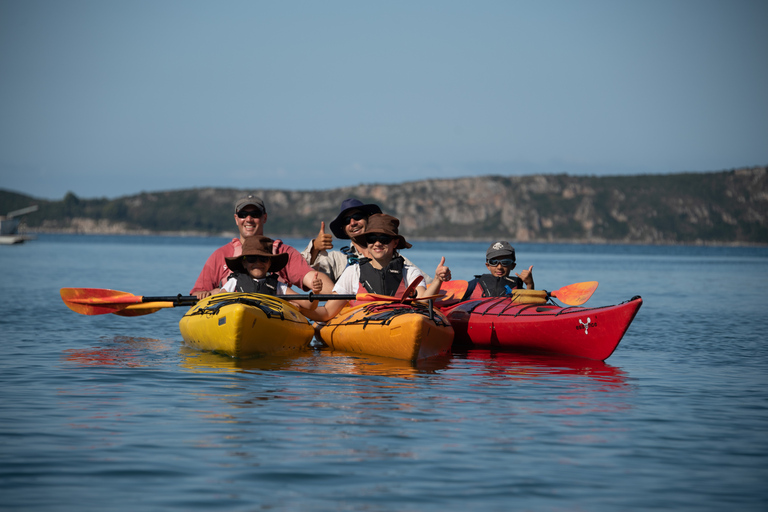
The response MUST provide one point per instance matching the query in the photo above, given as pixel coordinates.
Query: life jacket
(386, 281)
(491, 286)
(247, 284)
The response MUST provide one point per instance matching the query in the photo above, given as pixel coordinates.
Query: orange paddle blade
(454, 289)
(146, 308)
(97, 301)
(575, 294)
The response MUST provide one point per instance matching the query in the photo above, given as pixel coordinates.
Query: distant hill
(728, 207)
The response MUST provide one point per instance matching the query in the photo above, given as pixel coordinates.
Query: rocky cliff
(720, 208)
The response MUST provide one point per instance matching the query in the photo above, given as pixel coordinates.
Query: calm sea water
(113, 413)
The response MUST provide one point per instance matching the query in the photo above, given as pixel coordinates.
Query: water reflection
(509, 365)
(580, 385)
(316, 361)
(119, 351)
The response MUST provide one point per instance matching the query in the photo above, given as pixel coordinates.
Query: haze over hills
(726, 207)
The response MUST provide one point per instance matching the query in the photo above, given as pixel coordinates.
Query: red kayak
(499, 322)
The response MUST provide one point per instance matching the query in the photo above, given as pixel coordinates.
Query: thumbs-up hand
(323, 241)
(442, 272)
(317, 284)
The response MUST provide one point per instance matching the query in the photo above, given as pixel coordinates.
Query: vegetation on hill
(718, 208)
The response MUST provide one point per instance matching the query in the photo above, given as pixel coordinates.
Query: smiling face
(356, 223)
(257, 267)
(500, 267)
(381, 248)
(250, 221)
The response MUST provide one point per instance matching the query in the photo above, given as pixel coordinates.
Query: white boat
(9, 226)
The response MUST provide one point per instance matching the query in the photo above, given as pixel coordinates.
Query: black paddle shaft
(191, 299)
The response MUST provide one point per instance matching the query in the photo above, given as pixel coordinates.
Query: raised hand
(527, 277)
(323, 241)
(317, 283)
(442, 272)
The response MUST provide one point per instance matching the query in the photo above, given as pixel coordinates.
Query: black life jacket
(247, 284)
(385, 281)
(492, 286)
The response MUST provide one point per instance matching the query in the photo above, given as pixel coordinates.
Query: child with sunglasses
(255, 271)
(500, 261)
(383, 272)
(348, 224)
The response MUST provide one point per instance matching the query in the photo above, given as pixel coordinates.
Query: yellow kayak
(245, 325)
(386, 329)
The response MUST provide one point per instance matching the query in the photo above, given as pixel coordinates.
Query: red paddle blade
(575, 294)
(409, 291)
(97, 301)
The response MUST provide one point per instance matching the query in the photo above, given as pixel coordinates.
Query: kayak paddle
(573, 295)
(101, 301)
(411, 288)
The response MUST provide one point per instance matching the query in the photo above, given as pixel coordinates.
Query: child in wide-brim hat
(381, 239)
(258, 246)
(254, 271)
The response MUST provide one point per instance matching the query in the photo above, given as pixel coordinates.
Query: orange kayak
(401, 331)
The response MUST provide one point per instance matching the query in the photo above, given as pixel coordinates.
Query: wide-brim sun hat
(338, 224)
(258, 246)
(383, 224)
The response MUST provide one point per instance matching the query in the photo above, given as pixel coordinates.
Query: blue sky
(106, 98)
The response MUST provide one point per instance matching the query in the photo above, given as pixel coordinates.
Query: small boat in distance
(9, 226)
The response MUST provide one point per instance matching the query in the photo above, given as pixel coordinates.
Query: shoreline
(198, 234)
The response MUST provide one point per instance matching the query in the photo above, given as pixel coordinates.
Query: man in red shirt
(250, 217)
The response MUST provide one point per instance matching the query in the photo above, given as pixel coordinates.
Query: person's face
(250, 221)
(356, 221)
(380, 246)
(500, 267)
(257, 266)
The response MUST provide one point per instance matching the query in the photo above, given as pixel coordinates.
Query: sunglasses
(504, 263)
(358, 216)
(252, 258)
(243, 214)
(372, 239)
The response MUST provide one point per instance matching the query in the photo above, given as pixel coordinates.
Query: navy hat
(498, 249)
(338, 224)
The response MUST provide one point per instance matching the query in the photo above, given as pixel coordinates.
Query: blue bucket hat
(338, 224)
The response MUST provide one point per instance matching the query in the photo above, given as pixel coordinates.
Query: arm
(427, 279)
(331, 263)
(347, 284)
(214, 272)
(326, 312)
